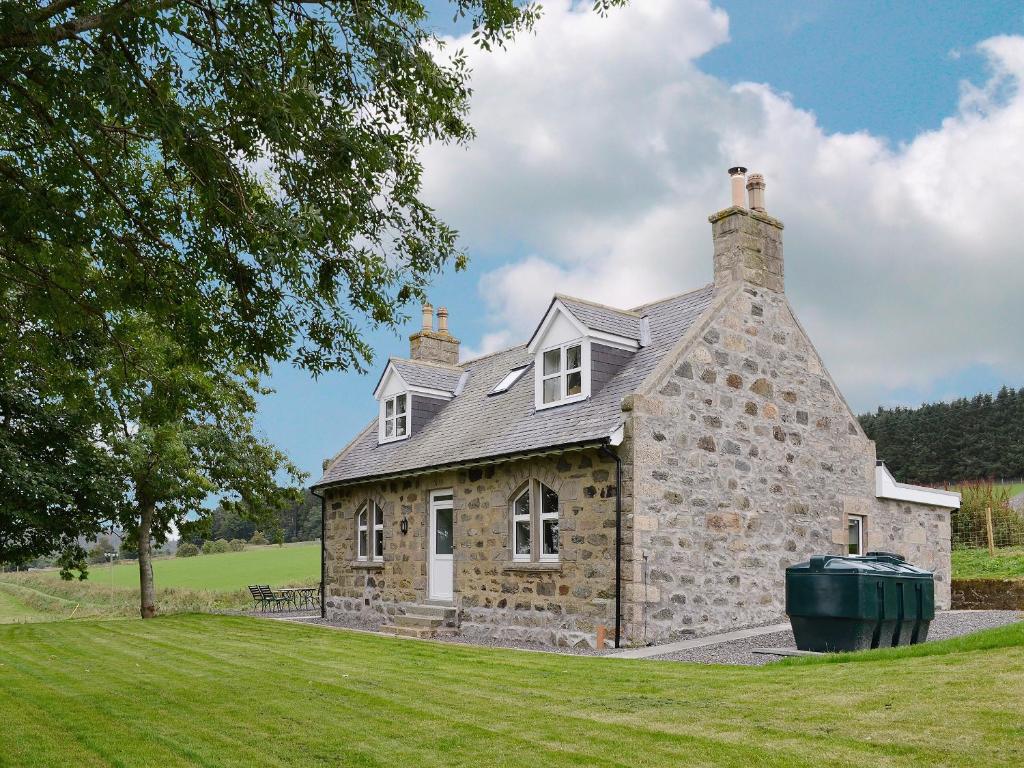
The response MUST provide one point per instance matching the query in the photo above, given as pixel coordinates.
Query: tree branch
(53, 9)
(37, 38)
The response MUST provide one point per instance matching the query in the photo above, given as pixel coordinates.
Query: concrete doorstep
(697, 642)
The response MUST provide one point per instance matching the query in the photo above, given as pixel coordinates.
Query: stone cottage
(640, 474)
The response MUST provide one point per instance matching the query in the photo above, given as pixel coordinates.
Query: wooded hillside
(967, 439)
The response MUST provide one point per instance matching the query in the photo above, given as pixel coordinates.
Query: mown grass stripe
(206, 679)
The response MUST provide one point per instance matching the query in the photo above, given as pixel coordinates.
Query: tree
(187, 550)
(182, 434)
(98, 552)
(57, 482)
(235, 182)
(966, 439)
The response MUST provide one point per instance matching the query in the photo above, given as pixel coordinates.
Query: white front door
(442, 545)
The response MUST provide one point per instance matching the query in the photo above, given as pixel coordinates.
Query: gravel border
(947, 624)
(370, 624)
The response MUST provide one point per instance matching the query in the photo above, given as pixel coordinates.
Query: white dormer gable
(396, 396)
(562, 347)
(395, 407)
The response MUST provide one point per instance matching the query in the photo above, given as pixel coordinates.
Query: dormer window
(562, 374)
(579, 347)
(394, 418)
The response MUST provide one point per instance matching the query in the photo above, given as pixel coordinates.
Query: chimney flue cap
(428, 316)
(442, 320)
(736, 179)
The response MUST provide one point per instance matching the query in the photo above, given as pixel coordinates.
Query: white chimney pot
(737, 179)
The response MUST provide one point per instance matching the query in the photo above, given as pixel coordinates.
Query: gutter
(463, 463)
(605, 450)
(323, 553)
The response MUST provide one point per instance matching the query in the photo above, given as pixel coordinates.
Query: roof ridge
(433, 363)
(478, 358)
(673, 297)
(597, 304)
(632, 312)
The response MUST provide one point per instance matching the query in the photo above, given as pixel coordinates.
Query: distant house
(486, 495)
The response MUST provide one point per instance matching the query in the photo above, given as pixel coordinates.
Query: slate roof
(621, 322)
(474, 426)
(416, 373)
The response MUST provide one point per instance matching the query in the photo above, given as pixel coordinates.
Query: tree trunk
(146, 586)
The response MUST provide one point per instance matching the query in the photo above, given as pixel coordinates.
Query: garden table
(304, 597)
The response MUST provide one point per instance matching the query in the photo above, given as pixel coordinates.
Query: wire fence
(986, 518)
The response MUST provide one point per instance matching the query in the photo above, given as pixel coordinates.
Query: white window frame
(516, 518)
(563, 373)
(393, 418)
(861, 539)
(362, 532)
(535, 518)
(542, 516)
(378, 514)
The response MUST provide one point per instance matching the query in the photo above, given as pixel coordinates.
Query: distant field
(184, 584)
(274, 565)
(1012, 488)
(1008, 563)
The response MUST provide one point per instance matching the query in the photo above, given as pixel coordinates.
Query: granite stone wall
(745, 459)
(920, 533)
(559, 604)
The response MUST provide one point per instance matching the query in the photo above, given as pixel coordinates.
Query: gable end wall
(745, 460)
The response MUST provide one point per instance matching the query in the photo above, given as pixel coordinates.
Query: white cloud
(602, 148)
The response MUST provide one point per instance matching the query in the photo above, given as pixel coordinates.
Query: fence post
(988, 529)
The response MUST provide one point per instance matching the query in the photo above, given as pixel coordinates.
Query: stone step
(421, 622)
(433, 610)
(417, 632)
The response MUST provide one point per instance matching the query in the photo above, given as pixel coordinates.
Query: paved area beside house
(683, 646)
(740, 650)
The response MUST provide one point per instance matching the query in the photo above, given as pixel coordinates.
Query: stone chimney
(748, 242)
(434, 346)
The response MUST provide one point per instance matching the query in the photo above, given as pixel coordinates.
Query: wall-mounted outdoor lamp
(404, 526)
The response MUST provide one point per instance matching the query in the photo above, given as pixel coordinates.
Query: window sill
(367, 565)
(563, 401)
(540, 567)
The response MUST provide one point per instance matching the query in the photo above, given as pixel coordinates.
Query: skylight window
(510, 378)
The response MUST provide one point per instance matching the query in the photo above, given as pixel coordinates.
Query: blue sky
(886, 74)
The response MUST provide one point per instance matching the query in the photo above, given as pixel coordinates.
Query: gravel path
(375, 625)
(946, 625)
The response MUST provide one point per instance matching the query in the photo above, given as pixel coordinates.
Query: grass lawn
(274, 565)
(234, 691)
(13, 610)
(1008, 563)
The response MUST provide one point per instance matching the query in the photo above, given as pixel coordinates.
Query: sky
(891, 136)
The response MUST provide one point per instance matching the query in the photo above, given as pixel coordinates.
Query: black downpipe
(323, 553)
(618, 538)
